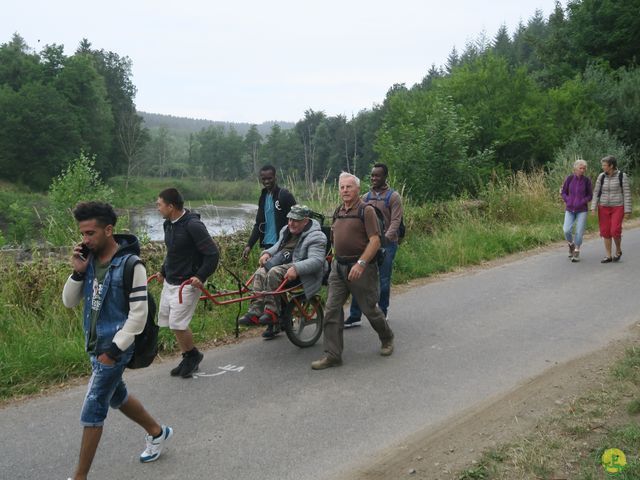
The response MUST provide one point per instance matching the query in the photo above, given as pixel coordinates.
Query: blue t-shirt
(270, 233)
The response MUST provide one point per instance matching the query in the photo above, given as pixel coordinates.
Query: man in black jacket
(191, 255)
(273, 206)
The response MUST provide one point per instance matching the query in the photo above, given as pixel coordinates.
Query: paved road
(458, 342)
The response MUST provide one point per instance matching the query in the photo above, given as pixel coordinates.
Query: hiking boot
(352, 322)
(387, 347)
(271, 332)
(268, 318)
(155, 445)
(572, 248)
(576, 256)
(248, 319)
(192, 359)
(326, 362)
(177, 371)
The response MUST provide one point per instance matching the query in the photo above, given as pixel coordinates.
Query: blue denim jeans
(385, 283)
(580, 220)
(106, 389)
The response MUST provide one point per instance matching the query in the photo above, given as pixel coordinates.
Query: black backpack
(387, 201)
(326, 229)
(146, 343)
(620, 175)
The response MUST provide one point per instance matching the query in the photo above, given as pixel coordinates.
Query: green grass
(143, 191)
(41, 342)
(570, 442)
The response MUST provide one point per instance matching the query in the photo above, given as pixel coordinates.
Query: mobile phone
(84, 253)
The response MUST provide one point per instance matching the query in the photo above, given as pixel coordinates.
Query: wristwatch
(362, 263)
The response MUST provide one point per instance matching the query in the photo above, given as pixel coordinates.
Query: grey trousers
(366, 291)
(268, 281)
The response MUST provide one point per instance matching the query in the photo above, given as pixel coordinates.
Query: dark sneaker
(268, 318)
(352, 322)
(248, 319)
(326, 362)
(155, 445)
(572, 248)
(271, 332)
(387, 347)
(576, 256)
(191, 361)
(177, 371)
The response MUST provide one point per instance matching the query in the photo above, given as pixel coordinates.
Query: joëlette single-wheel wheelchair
(301, 318)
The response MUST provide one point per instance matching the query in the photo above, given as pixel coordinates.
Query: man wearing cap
(298, 255)
(354, 270)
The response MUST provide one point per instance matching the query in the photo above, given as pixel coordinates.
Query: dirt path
(443, 451)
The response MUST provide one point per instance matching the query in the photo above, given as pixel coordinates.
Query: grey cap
(299, 212)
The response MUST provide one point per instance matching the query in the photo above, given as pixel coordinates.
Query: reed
(41, 342)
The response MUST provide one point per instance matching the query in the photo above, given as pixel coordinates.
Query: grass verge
(41, 341)
(570, 443)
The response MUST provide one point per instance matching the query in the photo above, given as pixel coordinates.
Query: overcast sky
(252, 61)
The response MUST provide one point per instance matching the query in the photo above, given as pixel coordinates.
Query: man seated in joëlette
(298, 255)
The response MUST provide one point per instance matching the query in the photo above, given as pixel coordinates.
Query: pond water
(219, 220)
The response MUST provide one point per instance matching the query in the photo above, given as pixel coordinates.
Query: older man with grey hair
(356, 241)
(298, 255)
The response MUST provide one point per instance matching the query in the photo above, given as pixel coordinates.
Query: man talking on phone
(111, 320)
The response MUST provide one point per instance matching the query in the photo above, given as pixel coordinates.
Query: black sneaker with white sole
(352, 322)
(177, 371)
(191, 361)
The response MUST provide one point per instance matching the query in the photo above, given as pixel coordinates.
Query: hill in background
(194, 125)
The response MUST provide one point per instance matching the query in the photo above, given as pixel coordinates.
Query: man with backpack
(389, 202)
(354, 270)
(191, 255)
(111, 320)
(273, 206)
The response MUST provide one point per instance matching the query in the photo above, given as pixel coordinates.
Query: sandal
(606, 260)
(617, 256)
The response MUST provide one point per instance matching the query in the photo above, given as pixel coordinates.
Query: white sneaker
(155, 445)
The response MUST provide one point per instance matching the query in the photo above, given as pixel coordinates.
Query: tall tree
(85, 91)
(283, 149)
(306, 129)
(253, 145)
(18, 65)
(502, 46)
(606, 29)
(53, 60)
(509, 107)
(132, 136)
(555, 51)
(117, 75)
(453, 60)
(424, 141)
(432, 74)
(38, 134)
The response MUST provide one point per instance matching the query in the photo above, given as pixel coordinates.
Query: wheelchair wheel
(303, 321)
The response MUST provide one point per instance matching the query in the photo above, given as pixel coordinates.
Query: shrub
(590, 145)
(80, 181)
(21, 222)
